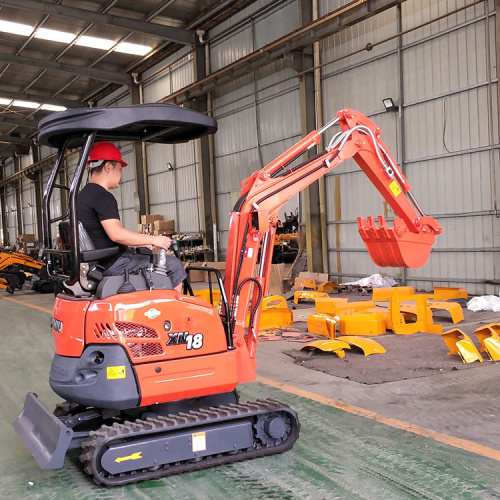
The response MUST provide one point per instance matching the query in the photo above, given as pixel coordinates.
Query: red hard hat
(105, 151)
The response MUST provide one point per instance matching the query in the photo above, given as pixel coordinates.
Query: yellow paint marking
(43, 309)
(463, 444)
(135, 456)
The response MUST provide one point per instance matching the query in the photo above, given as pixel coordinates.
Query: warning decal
(394, 187)
(199, 441)
(116, 372)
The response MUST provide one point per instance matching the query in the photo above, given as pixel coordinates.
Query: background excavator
(148, 374)
(13, 269)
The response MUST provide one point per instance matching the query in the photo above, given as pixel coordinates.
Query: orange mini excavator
(13, 269)
(148, 374)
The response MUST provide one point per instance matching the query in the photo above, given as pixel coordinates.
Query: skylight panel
(133, 48)
(54, 35)
(95, 43)
(5, 102)
(26, 104)
(16, 28)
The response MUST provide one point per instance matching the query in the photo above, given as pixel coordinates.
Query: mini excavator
(13, 269)
(149, 375)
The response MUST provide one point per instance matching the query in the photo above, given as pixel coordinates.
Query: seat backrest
(66, 243)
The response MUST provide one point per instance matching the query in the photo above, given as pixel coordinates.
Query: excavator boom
(254, 218)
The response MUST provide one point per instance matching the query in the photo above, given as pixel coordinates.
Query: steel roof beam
(334, 22)
(16, 140)
(18, 121)
(56, 101)
(97, 74)
(177, 35)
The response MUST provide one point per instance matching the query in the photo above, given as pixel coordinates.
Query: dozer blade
(398, 246)
(45, 436)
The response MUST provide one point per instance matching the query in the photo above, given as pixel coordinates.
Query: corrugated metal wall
(256, 123)
(450, 138)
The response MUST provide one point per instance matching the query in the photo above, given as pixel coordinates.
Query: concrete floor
(429, 437)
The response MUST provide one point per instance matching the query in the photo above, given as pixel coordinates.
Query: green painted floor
(338, 455)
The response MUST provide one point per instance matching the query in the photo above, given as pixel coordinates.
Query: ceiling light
(53, 107)
(54, 36)
(26, 104)
(133, 48)
(95, 43)
(5, 102)
(16, 28)
(389, 104)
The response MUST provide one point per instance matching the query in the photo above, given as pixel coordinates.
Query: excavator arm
(254, 217)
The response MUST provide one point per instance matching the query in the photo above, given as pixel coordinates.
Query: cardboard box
(26, 238)
(276, 280)
(161, 225)
(163, 232)
(196, 276)
(221, 266)
(150, 219)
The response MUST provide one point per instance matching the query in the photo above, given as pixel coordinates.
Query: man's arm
(119, 234)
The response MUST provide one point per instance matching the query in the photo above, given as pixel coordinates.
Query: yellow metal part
(459, 343)
(424, 321)
(278, 318)
(490, 340)
(385, 294)
(322, 324)
(337, 307)
(307, 295)
(364, 323)
(329, 286)
(368, 346)
(205, 295)
(446, 293)
(335, 346)
(274, 302)
(454, 308)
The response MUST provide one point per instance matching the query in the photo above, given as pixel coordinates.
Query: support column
(141, 170)
(19, 205)
(3, 204)
(205, 157)
(38, 187)
(315, 233)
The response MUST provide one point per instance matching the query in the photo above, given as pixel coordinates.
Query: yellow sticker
(394, 186)
(116, 372)
(199, 441)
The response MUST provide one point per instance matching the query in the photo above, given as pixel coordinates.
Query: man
(97, 210)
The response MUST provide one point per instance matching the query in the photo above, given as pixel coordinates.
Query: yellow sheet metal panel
(274, 318)
(363, 324)
(424, 322)
(385, 294)
(307, 295)
(341, 306)
(490, 340)
(335, 346)
(446, 293)
(322, 324)
(369, 346)
(273, 302)
(460, 343)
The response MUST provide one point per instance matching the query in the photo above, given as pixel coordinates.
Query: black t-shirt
(93, 205)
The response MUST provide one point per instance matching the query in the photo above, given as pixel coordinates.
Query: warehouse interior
(386, 350)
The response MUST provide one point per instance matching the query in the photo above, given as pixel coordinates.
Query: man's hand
(162, 242)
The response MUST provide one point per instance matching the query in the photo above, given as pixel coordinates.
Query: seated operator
(97, 210)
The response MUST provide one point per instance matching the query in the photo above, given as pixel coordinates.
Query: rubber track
(100, 439)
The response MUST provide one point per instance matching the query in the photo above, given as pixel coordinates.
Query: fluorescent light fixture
(95, 43)
(16, 28)
(54, 36)
(389, 104)
(53, 107)
(5, 102)
(26, 104)
(133, 48)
